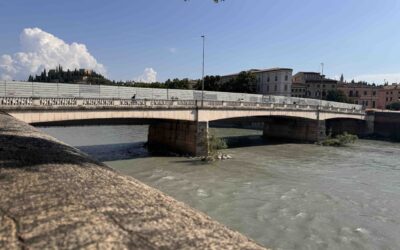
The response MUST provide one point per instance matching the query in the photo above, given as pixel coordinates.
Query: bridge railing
(65, 90)
(32, 102)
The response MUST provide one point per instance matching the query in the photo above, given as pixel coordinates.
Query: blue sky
(360, 39)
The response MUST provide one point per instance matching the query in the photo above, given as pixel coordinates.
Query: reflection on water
(285, 196)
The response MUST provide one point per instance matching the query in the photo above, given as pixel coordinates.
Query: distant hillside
(75, 76)
(84, 76)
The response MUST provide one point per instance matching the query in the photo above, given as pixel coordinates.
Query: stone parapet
(54, 196)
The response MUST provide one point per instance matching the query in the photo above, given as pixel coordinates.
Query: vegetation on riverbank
(214, 145)
(339, 140)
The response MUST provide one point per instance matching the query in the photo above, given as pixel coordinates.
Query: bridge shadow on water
(251, 140)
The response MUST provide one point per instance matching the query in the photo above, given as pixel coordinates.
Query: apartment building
(274, 81)
(312, 85)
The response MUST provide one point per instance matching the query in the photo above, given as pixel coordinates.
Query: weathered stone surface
(54, 196)
(305, 130)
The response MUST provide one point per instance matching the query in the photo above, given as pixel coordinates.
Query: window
(323, 85)
(276, 78)
(267, 88)
(374, 93)
(276, 88)
(286, 77)
(365, 92)
(268, 79)
(373, 104)
(356, 92)
(351, 93)
(285, 87)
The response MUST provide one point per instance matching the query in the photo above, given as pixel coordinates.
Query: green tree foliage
(211, 83)
(245, 82)
(394, 106)
(59, 75)
(177, 84)
(336, 96)
(82, 76)
(340, 140)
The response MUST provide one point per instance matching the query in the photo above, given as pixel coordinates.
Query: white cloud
(42, 50)
(149, 75)
(173, 50)
(379, 78)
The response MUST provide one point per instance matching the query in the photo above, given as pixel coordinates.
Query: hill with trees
(83, 76)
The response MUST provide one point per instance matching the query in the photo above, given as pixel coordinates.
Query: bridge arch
(340, 125)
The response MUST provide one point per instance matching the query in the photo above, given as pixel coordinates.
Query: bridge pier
(183, 137)
(303, 130)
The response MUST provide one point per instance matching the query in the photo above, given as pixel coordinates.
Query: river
(284, 196)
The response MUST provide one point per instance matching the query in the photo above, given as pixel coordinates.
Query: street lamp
(202, 75)
(322, 78)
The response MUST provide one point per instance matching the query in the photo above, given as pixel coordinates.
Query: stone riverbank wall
(387, 125)
(54, 196)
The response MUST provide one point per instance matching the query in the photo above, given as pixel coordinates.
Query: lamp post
(322, 78)
(202, 75)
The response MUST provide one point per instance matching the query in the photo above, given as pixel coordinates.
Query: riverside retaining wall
(387, 125)
(54, 196)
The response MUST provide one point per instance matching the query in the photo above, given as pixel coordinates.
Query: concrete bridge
(182, 125)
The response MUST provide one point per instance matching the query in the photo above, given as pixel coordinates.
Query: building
(363, 94)
(312, 85)
(299, 90)
(389, 94)
(275, 81)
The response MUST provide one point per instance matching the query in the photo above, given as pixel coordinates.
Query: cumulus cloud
(149, 75)
(379, 78)
(41, 50)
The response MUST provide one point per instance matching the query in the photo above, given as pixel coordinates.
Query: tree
(394, 106)
(245, 82)
(211, 83)
(336, 96)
